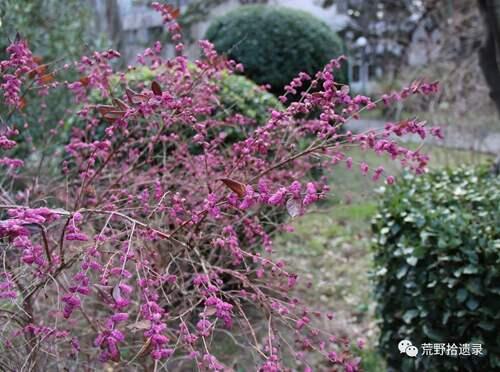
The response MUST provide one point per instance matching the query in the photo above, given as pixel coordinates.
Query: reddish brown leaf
(237, 187)
(22, 103)
(175, 13)
(105, 292)
(110, 113)
(155, 87)
(120, 104)
(104, 109)
(134, 97)
(84, 80)
(46, 79)
(41, 70)
(38, 60)
(146, 349)
(114, 115)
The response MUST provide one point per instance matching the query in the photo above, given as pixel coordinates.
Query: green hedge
(275, 43)
(437, 256)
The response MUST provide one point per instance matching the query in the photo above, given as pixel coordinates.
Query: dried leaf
(140, 325)
(120, 104)
(237, 187)
(210, 311)
(85, 80)
(104, 109)
(155, 87)
(105, 292)
(117, 293)
(114, 115)
(41, 70)
(47, 78)
(175, 13)
(38, 60)
(134, 97)
(293, 206)
(22, 103)
(146, 348)
(110, 113)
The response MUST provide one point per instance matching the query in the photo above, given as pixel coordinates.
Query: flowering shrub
(237, 95)
(142, 251)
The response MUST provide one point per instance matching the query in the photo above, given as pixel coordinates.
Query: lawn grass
(330, 247)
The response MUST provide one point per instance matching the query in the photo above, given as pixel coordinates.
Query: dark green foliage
(54, 29)
(275, 43)
(437, 255)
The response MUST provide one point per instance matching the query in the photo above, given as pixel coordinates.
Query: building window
(155, 33)
(372, 72)
(356, 70)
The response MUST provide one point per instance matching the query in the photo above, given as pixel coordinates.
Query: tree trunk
(489, 53)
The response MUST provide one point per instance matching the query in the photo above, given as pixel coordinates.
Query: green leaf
(474, 286)
(412, 261)
(487, 326)
(433, 334)
(472, 304)
(402, 272)
(462, 295)
(470, 269)
(409, 315)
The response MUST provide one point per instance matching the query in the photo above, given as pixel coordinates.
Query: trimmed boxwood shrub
(437, 256)
(275, 43)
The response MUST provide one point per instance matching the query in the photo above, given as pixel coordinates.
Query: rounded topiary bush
(437, 254)
(275, 43)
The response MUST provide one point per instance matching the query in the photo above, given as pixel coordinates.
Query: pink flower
(311, 194)
(348, 162)
(364, 168)
(377, 173)
(119, 317)
(278, 197)
(204, 327)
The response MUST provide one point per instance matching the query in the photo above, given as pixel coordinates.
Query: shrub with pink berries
(153, 242)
